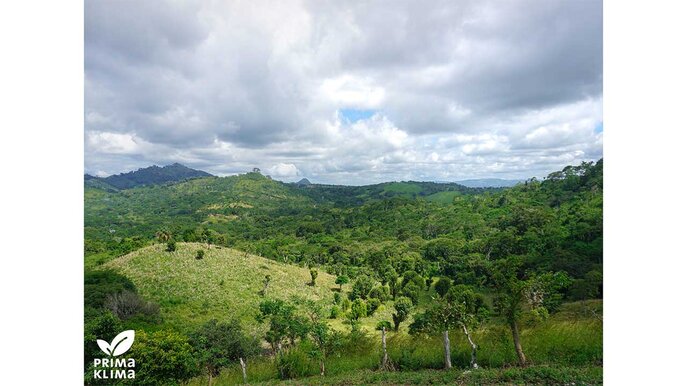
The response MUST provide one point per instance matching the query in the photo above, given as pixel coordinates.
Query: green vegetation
(469, 278)
(223, 285)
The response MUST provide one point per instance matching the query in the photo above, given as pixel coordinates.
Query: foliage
(199, 254)
(171, 246)
(163, 358)
(99, 284)
(127, 304)
(442, 286)
(361, 287)
(402, 308)
(313, 276)
(219, 344)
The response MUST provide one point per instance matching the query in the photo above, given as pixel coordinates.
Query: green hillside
(222, 285)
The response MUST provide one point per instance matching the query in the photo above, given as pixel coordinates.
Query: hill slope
(153, 175)
(223, 285)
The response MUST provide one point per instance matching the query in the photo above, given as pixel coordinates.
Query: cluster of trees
(528, 248)
(556, 224)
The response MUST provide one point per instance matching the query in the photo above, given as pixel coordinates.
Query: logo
(111, 367)
(120, 344)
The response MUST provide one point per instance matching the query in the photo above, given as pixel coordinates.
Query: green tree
(341, 280)
(442, 286)
(313, 276)
(515, 289)
(361, 287)
(460, 308)
(163, 358)
(218, 345)
(402, 308)
(358, 309)
(285, 326)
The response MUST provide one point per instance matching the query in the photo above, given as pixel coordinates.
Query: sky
(344, 92)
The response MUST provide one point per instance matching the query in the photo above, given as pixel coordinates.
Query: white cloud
(459, 89)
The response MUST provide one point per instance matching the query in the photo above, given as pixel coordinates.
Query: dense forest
(425, 263)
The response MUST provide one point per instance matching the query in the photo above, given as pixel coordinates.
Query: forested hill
(153, 175)
(555, 224)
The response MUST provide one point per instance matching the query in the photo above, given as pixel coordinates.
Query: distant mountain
(488, 183)
(304, 181)
(153, 175)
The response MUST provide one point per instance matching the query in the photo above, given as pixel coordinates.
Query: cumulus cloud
(447, 90)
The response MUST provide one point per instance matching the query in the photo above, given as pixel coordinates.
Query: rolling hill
(223, 285)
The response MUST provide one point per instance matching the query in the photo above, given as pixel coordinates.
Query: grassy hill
(223, 285)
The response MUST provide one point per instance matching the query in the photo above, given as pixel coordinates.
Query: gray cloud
(458, 89)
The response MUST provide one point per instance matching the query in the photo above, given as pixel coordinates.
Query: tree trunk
(322, 367)
(447, 351)
(516, 341)
(243, 370)
(473, 358)
(385, 357)
(209, 377)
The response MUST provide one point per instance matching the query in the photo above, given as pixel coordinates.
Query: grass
(566, 348)
(443, 197)
(535, 375)
(223, 285)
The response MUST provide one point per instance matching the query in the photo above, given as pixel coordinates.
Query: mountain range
(152, 175)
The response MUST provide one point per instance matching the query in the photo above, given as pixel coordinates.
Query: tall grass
(557, 342)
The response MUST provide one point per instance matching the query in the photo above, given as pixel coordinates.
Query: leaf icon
(104, 346)
(122, 342)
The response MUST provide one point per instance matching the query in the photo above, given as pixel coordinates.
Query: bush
(372, 306)
(345, 305)
(412, 292)
(219, 344)
(99, 284)
(171, 246)
(442, 286)
(336, 312)
(127, 304)
(295, 363)
(358, 309)
(200, 254)
(337, 298)
(361, 287)
(382, 293)
(163, 358)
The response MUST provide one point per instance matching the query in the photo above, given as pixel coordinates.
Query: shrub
(372, 306)
(345, 304)
(361, 287)
(313, 276)
(412, 292)
(337, 298)
(200, 254)
(295, 363)
(163, 358)
(171, 246)
(382, 293)
(219, 344)
(442, 286)
(402, 308)
(99, 284)
(127, 304)
(358, 309)
(336, 312)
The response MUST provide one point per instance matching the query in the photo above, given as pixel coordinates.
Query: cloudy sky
(347, 92)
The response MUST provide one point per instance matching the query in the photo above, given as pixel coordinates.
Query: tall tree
(515, 288)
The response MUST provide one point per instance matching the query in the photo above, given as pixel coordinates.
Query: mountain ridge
(151, 175)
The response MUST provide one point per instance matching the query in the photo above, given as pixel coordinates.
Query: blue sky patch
(355, 115)
(599, 128)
